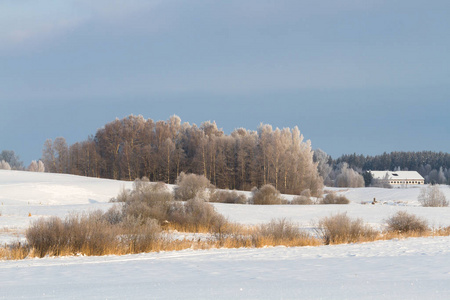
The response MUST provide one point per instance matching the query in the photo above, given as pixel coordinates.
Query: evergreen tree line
(134, 147)
(433, 166)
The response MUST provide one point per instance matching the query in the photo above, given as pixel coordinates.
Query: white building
(398, 177)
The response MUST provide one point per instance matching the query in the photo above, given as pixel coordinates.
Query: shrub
(122, 196)
(281, 232)
(149, 206)
(341, 229)
(45, 235)
(332, 198)
(86, 233)
(432, 196)
(306, 193)
(114, 215)
(140, 235)
(196, 214)
(266, 195)
(227, 197)
(302, 200)
(191, 186)
(147, 201)
(280, 229)
(405, 222)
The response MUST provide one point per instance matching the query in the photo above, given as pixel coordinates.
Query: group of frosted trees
(135, 147)
(10, 161)
(339, 175)
(35, 166)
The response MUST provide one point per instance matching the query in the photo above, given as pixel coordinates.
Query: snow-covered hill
(408, 269)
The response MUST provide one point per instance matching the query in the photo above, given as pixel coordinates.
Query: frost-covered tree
(323, 166)
(12, 159)
(55, 155)
(4, 165)
(36, 166)
(349, 177)
(33, 166)
(41, 166)
(48, 156)
(432, 196)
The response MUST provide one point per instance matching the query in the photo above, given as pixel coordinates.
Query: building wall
(407, 181)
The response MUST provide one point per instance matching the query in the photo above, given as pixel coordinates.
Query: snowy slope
(23, 188)
(406, 269)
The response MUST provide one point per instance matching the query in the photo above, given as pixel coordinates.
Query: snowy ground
(407, 269)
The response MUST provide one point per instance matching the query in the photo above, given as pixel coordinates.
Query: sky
(355, 76)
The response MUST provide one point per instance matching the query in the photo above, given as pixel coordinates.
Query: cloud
(25, 23)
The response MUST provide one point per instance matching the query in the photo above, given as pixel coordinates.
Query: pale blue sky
(355, 76)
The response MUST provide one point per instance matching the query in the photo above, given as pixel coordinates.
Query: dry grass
(275, 233)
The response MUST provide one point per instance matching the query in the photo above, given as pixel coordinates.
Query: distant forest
(433, 166)
(134, 147)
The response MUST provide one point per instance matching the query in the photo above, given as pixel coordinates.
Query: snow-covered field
(398, 269)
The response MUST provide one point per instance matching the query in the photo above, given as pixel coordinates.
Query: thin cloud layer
(25, 23)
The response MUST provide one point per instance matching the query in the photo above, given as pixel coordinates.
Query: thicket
(153, 201)
(135, 147)
(91, 234)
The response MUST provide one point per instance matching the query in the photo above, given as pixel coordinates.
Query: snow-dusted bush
(302, 200)
(227, 197)
(146, 200)
(333, 198)
(341, 229)
(190, 186)
(405, 222)
(281, 230)
(266, 195)
(432, 196)
(114, 215)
